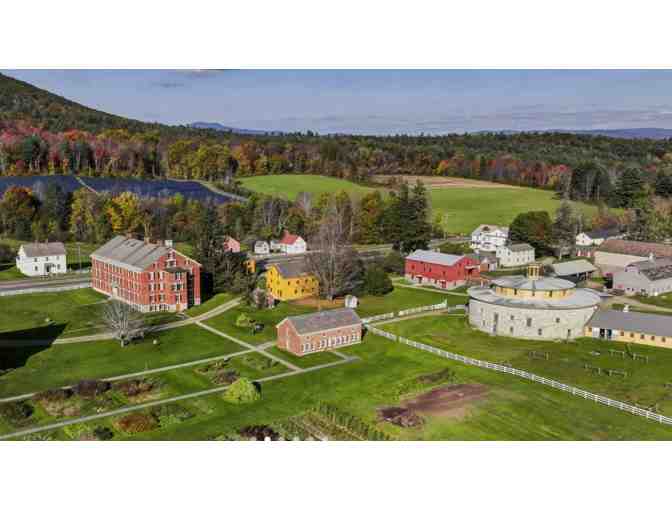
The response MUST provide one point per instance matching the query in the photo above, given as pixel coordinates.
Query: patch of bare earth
(451, 401)
(442, 182)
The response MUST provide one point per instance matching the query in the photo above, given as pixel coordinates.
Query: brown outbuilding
(321, 331)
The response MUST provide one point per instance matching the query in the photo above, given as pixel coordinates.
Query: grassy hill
(465, 207)
(288, 186)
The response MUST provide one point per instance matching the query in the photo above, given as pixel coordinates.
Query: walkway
(137, 407)
(108, 335)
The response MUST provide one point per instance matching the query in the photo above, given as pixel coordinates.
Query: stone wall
(527, 322)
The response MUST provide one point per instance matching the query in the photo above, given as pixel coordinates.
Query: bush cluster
(55, 395)
(259, 432)
(376, 281)
(137, 422)
(171, 414)
(258, 362)
(103, 433)
(16, 413)
(134, 387)
(88, 388)
(241, 392)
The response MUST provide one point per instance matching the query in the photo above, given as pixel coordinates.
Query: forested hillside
(44, 133)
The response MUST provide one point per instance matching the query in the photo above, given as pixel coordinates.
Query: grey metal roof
(580, 298)
(129, 253)
(322, 321)
(520, 247)
(573, 267)
(636, 322)
(43, 249)
(291, 269)
(434, 257)
(654, 270)
(524, 283)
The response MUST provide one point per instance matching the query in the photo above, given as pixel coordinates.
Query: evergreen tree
(663, 185)
(631, 188)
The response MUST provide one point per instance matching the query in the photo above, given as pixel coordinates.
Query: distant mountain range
(239, 131)
(630, 133)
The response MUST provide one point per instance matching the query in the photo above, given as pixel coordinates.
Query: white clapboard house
(41, 259)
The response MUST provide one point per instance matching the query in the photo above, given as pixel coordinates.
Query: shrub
(241, 392)
(103, 433)
(6, 254)
(258, 362)
(394, 263)
(244, 321)
(259, 432)
(55, 395)
(90, 387)
(134, 387)
(171, 414)
(16, 413)
(377, 282)
(137, 422)
(225, 377)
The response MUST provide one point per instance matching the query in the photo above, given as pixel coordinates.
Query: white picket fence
(413, 311)
(526, 375)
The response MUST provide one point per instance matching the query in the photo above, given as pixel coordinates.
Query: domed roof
(521, 282)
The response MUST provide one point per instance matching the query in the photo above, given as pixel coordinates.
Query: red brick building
(440, 269)
(151, 277)
(321, 331)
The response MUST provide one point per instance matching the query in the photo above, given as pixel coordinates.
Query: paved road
(108, 335)
(41, 283)
(146, 405)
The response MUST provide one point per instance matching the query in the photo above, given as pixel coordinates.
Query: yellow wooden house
(290, 280)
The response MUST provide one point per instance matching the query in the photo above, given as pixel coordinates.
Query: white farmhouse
(261, 248)
(41, 259)
(292, 244)
(515, 255)
(587, 241)
(489, 237)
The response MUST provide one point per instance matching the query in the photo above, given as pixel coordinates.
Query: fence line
(412, 311)
(526, 375)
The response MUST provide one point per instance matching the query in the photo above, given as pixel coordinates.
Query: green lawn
(226, 321)
(289, 186)
(402, 298)
(644, 385)
(664, 300)
(513, 409)
(61, 364)
(312, 360)
(10, 272)
(209, 304)
(466, 208)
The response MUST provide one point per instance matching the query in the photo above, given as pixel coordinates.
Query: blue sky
(374, 101)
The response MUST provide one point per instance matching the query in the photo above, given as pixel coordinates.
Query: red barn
(151, 277)
(321, 331)
(441, 269)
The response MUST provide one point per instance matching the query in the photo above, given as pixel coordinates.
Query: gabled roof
(602, 233)
(291, 269)
(323, 321)
(647, 323)
(654, 270)
(520, 247)
(132, 254)
(289, 238)
(490, 228)
(573, 267)
(635, 248)
(434, 257)
(43, 249)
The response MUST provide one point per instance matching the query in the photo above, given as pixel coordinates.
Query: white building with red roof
(292, 244)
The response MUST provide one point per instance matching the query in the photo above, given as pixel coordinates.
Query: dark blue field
(190, 190)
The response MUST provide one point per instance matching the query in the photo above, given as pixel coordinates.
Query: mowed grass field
(289, 186)
(465, 208)
(645, 384)
(511, 409)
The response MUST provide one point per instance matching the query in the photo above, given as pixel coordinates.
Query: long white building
(42, 259)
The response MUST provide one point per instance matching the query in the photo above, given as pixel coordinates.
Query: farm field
(51, 315)
(506, 408)
(289, 186)
(41, 368)
(466, 204)
(644, 384)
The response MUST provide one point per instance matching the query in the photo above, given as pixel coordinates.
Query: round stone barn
(532, 306)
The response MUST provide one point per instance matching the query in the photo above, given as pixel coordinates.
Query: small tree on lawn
(124, 321)
(241, 391)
